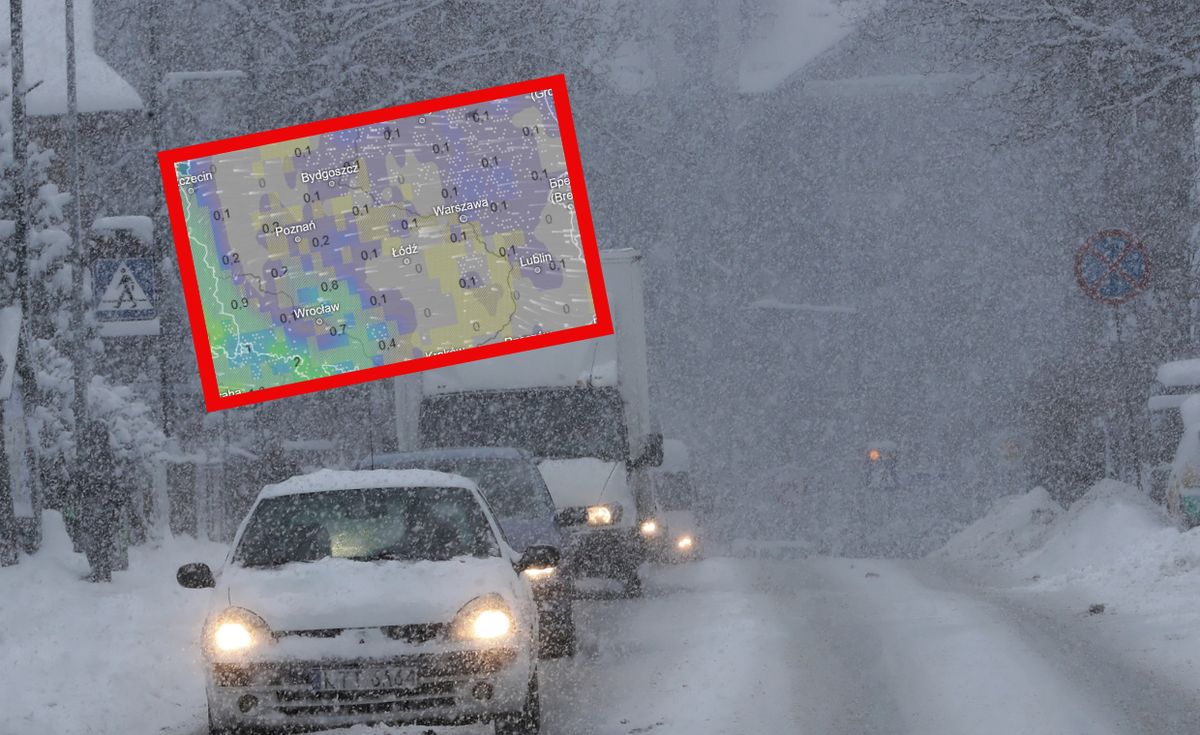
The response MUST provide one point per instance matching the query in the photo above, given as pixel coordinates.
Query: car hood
(339, 593)
(524, 532)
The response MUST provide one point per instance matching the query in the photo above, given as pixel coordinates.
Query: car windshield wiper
(381, 556)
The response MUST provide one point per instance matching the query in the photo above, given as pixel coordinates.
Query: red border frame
(1137, 288)
(191, 289)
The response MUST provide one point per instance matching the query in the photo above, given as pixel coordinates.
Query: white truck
(584, 410)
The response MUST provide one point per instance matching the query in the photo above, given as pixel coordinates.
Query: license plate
(369, 678)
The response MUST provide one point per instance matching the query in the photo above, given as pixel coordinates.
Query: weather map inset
(385, 242)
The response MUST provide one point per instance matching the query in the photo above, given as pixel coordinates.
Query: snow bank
(1016, 525)
(1113, 543)
(1104, 529)
(77, 657)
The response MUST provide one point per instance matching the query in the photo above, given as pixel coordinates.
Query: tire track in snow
(931, 660)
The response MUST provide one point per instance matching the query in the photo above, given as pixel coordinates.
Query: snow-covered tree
(1126, 72)
(136, 438)
(50, 323)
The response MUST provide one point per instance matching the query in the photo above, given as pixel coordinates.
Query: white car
(373, 596)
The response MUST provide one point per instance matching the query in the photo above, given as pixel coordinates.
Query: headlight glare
(649, 527)
(599, 515)
(485, 618)
(537, 574)
(489, 624)
(684, 543)
(235, 630)
(233, 637)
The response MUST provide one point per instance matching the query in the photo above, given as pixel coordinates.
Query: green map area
(383, 243)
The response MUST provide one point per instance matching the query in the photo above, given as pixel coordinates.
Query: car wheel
(526, 722)
(633, 585)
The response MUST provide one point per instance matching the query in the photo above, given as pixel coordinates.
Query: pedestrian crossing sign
(124, 289)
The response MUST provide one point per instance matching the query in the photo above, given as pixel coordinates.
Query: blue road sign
(124, 289)
(1113, 267)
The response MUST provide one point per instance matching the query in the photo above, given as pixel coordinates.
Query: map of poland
(386, 242)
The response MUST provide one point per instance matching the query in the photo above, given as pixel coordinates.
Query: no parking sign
(1112, 267)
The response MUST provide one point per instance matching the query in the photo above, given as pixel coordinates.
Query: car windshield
(552, 423)
(368, 524)
(513, 487)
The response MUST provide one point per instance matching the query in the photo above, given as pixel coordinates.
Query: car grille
(292, 702)
(414, 633)
(290, 684)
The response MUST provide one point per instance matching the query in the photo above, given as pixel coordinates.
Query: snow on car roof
(325, 480)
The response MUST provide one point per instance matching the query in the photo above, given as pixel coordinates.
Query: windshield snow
(368, 525)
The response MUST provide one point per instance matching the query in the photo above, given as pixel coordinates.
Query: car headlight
(649, 527)
(684, 543)
(600, 515)
(483, 619)
(232, 637)
(236, 629)
(538, 574)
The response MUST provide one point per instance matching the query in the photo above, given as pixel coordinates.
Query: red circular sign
(1112, 267)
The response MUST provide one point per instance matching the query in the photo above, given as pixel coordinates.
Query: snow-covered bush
(134, 432)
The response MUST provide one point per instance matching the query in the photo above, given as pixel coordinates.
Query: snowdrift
(1113, 541)
(78, 657)
(1016, 525)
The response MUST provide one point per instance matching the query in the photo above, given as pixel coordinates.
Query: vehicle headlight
(233, 637)
(684, 543)
(483, 619)
(490, 623)
(599, 515)
(537, 574)
(649, 527)
(236, 629)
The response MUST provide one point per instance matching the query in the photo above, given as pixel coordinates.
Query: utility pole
(20, 236)
(77, 269)
(8, 521)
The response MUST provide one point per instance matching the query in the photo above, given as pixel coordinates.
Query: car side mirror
(539, 556)
(195, 576)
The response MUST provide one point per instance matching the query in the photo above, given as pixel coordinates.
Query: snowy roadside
(1114, 548)
(77, 657)
(697, 654)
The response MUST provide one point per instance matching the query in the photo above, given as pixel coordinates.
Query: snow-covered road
(818, 645)
(906, 647)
